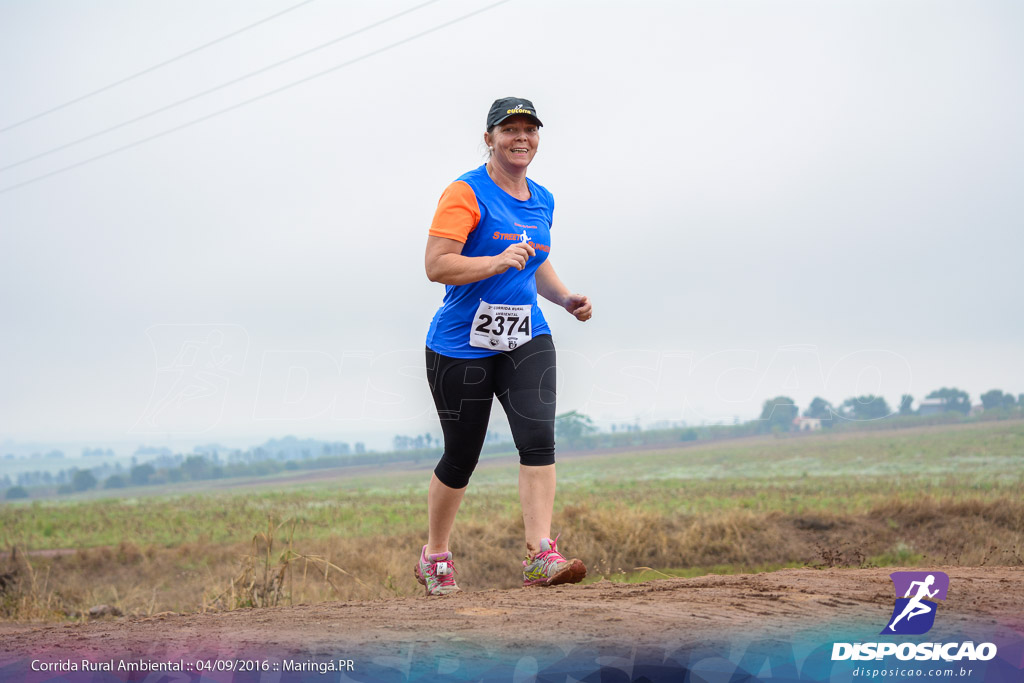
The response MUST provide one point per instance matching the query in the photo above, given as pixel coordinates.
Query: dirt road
(662, 615)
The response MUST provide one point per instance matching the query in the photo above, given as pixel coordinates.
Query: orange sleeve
(457, 213)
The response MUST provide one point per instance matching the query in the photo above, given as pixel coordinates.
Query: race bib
(501, 327)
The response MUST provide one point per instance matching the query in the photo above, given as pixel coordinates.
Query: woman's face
(514, 142)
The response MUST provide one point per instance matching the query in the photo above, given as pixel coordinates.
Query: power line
(216, 87)
(257, 98)
(155, 67)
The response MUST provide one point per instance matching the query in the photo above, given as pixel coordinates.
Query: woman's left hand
(579, 306)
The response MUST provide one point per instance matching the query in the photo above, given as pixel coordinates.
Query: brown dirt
(663, 614)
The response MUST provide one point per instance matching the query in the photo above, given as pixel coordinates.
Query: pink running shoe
(549, 568)
(436, 573)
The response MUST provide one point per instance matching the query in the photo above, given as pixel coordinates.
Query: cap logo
(519, 110)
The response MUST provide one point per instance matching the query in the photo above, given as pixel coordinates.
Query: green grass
(839, 474)
(941, 494)
(900, 555)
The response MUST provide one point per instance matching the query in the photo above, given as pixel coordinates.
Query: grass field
(932, 495)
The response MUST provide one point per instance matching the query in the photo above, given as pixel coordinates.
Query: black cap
(510, 106)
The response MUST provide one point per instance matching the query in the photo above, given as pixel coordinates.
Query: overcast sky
(761, 198)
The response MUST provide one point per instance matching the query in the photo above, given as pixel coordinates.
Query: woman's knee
(454, 472)
(535, 441)
(537, 456)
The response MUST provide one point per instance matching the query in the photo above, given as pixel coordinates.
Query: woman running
(489, 244)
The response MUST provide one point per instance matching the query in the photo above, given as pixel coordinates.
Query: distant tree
(689, 435)
(195, 467)
(140, 474)
(16, 492)
(995, 398)
(868, 407)
(83, 480)
(820, 409)
(360, 448)
(778, 412)
(992, 399)
(953, 399)
(114, 481)
(572, 426)
(906, 402)
(65, 488)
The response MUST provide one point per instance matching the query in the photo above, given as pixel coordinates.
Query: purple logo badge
(916, 593)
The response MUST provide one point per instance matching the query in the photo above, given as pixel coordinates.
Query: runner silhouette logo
(914, 613)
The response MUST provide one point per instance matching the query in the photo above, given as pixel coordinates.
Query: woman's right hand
(513, 257)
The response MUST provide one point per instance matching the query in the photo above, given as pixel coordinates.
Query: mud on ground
(664, 614)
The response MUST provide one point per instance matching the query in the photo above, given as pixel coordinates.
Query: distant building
(931, 406)
(666, 424)
(806, 424)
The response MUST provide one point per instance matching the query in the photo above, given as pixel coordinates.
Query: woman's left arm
(551, 288)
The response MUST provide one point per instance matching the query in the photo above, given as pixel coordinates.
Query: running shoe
(436, 573)
(549, 568)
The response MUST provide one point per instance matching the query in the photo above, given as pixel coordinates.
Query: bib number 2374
(500, 327)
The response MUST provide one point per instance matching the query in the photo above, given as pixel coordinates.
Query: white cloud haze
(799, 198)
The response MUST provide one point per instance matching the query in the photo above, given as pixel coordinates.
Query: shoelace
(547, 557)
(446, 579)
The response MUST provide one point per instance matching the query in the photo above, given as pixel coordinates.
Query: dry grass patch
(271, 568)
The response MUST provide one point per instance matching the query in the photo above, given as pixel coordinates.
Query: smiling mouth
(520, 149)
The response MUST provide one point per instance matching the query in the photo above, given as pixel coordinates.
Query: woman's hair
(487, 152)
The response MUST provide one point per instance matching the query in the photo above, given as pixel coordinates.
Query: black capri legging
(523, 380)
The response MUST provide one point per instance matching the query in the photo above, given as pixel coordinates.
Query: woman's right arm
(445, 263)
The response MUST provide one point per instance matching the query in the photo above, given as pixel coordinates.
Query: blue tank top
(474, 210)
